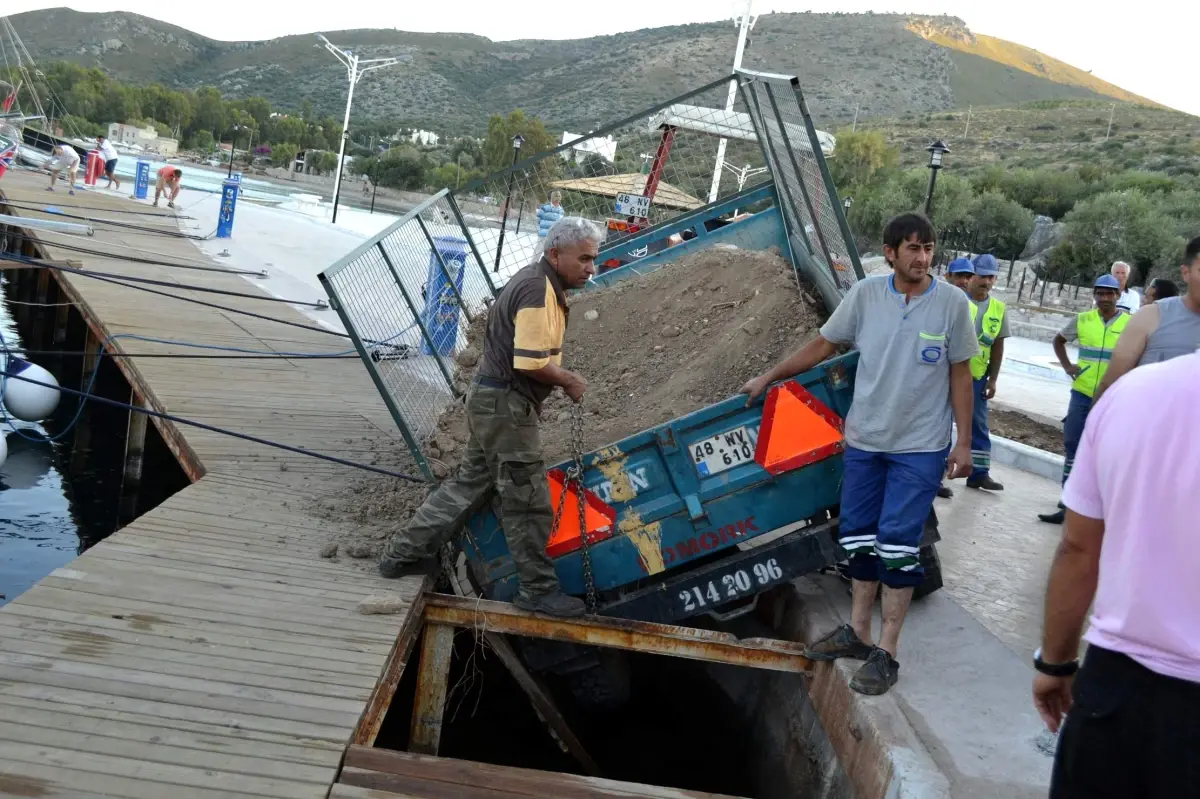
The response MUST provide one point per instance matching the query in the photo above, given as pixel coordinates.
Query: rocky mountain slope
(884, 64)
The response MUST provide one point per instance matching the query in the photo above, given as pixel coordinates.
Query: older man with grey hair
(521, 365)
(1130, 300)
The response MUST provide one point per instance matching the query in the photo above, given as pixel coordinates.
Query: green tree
(202, 140)
(1113, 226)
(860, 157)
(284, 154)
(401, 168)
(211, 113)
(498, 146)
(1002, 224)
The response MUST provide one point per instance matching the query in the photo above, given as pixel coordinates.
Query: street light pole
(517, 141)
(936, 151)
(745, 23)
(355, 69)
(232, 148)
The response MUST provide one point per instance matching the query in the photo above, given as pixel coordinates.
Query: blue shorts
(886, 498)
(110, 166)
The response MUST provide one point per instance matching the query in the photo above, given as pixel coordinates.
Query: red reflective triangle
(797, 429)
(599, 517)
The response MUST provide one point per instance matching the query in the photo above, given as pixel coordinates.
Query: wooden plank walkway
(204, 650)
(381, 774)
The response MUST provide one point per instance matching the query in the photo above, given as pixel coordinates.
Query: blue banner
(141, 180)
(229, 195)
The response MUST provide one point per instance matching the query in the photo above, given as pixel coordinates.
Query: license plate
(747, 579)
(724, 451)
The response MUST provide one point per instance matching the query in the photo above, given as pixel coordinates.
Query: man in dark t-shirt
(521, 365)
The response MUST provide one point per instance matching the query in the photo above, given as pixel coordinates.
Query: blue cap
(960, 265)
(985, 265)
(1107, 282)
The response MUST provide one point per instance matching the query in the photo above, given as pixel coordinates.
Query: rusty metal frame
(633, 636)
(371, 720)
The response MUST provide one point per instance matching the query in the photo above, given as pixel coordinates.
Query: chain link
(574, 477)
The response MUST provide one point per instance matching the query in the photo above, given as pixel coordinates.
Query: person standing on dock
(169, 178)
(1130, 550)
(915, 341)
(1130, 300)
(991, 326)
(109, 154)
(958, 273)
(1162, 330)
(549, 213)
(1098, 331)
(520, 367)
(65, 160)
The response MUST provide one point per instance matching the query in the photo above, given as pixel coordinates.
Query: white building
(423, 137)
(606, 148)
(129, 134)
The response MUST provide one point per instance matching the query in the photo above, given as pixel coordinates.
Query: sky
(1150, 47)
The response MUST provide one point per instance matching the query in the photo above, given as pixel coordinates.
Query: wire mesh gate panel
(406, 298)
(794, 151)
(626, 176)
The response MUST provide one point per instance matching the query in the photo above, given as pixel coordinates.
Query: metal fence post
(418, 316)
(462, 223)
(1022, 286)
(819, 157)
(437, 254)
(405, 432)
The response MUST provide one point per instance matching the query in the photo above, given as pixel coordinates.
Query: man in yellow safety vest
(958, 274)
(991, 327)
(1097, 331)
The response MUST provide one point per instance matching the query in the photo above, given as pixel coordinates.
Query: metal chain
(576, 473)
(574, 476)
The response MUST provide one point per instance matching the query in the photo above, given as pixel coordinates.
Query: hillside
(884, 64)
(1060, 134)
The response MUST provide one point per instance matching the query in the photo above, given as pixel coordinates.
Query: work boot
(394, 568)
(985, 482)
(944, 491)
(843, 642)
(877, 675)
(1058, 517)
(555, 603)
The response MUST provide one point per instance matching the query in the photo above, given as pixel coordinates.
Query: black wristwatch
(1054, 669)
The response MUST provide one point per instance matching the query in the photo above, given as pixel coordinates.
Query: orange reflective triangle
(797, 429)
(599, 517)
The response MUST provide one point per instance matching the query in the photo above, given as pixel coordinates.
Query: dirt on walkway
(652, 348)
(1019, 427)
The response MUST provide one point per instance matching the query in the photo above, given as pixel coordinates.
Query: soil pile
(651, 348)
(1019, 427)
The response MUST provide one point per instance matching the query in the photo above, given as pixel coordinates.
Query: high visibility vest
(1096, 344)
(993, 318)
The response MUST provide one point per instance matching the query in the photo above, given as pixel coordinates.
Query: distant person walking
(65, 160)
(1130, 544)
(1166, 329)
(991, 327)
(1097, 331)
(1130, 300)
(109, 154)
(915, 341)
(169, 178)
(549, 213)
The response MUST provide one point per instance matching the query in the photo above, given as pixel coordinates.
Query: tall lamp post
(355, 69)
(936, 151)
(517, 141)
(744, 22)
(232, 149)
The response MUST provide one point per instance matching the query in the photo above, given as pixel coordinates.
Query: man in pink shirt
(1131, 542)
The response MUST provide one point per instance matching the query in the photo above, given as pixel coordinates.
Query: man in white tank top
(1162, 331)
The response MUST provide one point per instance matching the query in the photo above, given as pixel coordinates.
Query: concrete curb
(1038, 370)
(878, 748)
(1027, 458)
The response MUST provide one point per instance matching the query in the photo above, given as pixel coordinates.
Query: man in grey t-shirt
(915, 340)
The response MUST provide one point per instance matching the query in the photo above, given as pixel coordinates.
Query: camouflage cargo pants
(503, 454)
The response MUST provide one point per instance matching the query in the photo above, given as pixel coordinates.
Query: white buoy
(26, 401)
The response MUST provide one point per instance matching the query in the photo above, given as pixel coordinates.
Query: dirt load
(651, 348)
(1019, 427)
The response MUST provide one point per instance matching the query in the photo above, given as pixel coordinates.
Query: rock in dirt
(468, 357)
(360, 550)
(382, 604)
(329, 550)
(591, 315)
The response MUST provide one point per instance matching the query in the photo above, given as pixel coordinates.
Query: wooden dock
(204, 650)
